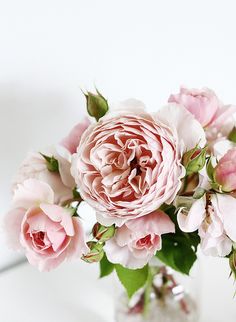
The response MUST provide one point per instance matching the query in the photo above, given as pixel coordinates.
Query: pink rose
(215, 220)
(137, 241)
(225, 171)
(221, 125)
(35, 167)
(46, 232)
(220, 147)
(71, 142)
(203, 104)
(129, 163)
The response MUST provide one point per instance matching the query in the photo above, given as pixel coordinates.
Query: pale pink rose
(203, 103)
(221, 125)
(220, 147)
(71, 142)
(225, 171)
(47, 233)
(129, 163)
(224, 119)
(137, 241)
(215, 221)
(35, 167)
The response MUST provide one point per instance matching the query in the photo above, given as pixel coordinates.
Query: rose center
(144, 241)
(134, 165)
(39, 238)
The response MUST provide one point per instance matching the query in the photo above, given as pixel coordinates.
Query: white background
(143, 49)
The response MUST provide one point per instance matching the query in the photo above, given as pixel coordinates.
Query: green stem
(147, 291)
(69, 201)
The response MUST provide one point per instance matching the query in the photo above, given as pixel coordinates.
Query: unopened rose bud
(95, 254)
(225, 171)
(97, 105)
(103, 233)
(194, 160)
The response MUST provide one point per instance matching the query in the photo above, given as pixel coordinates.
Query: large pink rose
(225, 171)
(71, 142)
(137, 241)
(47, 233)
(129, 163)
(215, 220)
(203, 103)
(35, 167)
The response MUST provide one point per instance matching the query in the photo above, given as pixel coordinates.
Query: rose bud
(225, 171)
(97, 105)
(95, 254)
(103, 233)
(194, 160)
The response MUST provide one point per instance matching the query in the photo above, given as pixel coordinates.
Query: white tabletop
(73, 293)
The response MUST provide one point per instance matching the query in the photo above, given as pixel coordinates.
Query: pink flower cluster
(127, 166)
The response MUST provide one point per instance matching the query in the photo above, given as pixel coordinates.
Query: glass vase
(170, 298)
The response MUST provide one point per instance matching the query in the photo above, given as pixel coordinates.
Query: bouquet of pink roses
(161, 185)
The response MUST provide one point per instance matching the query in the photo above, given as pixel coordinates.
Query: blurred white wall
(129, 48)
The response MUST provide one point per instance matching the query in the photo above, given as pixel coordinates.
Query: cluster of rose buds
(130, 166)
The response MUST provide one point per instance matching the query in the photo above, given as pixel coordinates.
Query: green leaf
(179, 251)
(106, 267)
(132, 279)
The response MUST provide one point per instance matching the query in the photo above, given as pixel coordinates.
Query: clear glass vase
(171, 298)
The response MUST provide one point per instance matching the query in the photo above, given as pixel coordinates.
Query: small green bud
(96, 252)
(103, 233)
(194, 160)
(52, 163)
(232, 135)
(97, 105)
